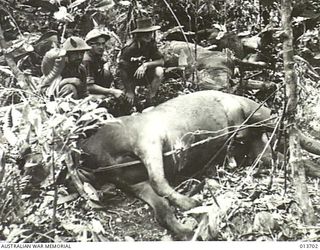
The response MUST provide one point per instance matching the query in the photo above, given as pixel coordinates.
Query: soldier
(99, 77)
(74, 74)
(62, 69)
(140, 61)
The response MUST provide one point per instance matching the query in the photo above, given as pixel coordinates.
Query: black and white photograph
(147, 123)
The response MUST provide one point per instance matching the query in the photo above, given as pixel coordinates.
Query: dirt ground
(130, 219)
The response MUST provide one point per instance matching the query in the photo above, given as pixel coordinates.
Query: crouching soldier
(74, 77)
(99, 77)
(140, 61)
(62, 69)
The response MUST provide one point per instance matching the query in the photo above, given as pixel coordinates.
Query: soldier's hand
(117, 93)
(130, 97)
(140, 71)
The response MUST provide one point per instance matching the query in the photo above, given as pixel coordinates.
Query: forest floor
(133, 220)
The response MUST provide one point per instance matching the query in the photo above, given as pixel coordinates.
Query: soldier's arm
(155, 63)
(98, 90)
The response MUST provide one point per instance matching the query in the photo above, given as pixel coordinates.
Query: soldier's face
(98, 45)
(145, 37)
(75, 57)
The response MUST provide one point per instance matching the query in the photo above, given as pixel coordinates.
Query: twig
(2, 164)
(273, 150)
(203, 224)
(186, 182)
(28, 237)
(113, 212)
(285, 149)
(195, 40)
(110, 224)
(253, 75)
(55, 197)
(45, 235)
(63, 33)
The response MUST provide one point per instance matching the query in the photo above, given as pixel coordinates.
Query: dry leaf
(91, 191)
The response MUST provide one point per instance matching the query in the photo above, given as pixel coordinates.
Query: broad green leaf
(125, 3)
(104, 4)
(11, 138)
(68, 198)
(84, 235)
(52, 107)
(65, 106)
(2, 163)
(16, 118)
(6, 70)
(8, 128)
(35, 118)
(198, 210)
(63, 15)
(183, 59)
(15, 234)
(76, 3)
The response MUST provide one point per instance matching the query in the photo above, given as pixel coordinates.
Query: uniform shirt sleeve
(128, 51)
(83, 90)
(150, 52)
(155, 54)
(88, 66)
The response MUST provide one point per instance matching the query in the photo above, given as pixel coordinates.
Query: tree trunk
(291, 93)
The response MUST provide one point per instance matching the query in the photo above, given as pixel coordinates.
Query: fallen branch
(72, 162)
(250, 64)
(255, 84)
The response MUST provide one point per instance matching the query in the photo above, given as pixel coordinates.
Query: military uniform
(69, 77)
(132, 56)
(77, 89)
(96, 73)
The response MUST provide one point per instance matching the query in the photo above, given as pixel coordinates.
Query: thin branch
(55, 197)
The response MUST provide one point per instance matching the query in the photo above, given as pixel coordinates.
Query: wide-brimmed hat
(95, 33)
(75, 43)
(145, 25)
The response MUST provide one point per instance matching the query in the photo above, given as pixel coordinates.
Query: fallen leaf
(91, 191)
(97, 226)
